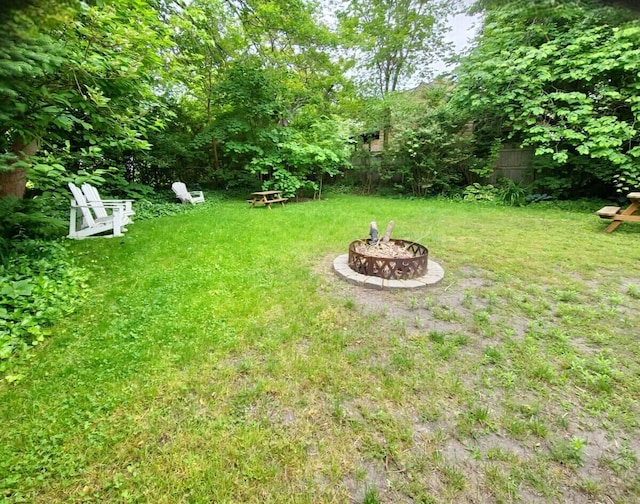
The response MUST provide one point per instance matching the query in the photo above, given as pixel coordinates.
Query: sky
(463, 29)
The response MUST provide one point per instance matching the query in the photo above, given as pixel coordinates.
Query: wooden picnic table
(266, 198)
(629, 214)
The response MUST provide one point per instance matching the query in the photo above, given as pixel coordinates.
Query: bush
(479, 192)
(39, 284)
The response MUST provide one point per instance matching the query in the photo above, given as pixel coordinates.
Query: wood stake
(373, 231)
(387, 233)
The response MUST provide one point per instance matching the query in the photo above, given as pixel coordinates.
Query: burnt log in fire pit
(412, 263)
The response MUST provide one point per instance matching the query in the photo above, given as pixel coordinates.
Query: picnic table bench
(266, 198)
(629, 214)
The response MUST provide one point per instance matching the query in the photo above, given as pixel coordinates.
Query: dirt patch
(498, 347)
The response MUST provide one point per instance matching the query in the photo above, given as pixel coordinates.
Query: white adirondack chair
(185, 196)
(85, 223)
(99, 206)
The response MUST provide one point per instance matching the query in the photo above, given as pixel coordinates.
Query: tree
(76, 80)
(240, 83)
(561, 77)
(395, 39)
(431, 149)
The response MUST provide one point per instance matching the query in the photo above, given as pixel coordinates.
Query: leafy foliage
(430, 145)
(81, 83)
(561, 77)
(39, 284)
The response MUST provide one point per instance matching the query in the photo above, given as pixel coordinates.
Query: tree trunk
(216, 161)
(14, 181)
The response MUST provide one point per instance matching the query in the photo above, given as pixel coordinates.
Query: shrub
(39, 284)
(511, 193)
(479, 192)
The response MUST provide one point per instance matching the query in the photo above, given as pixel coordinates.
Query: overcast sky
(463, 29)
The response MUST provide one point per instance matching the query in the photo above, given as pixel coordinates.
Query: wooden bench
(266, 198)
(618, 216)
(608, 212)
(268, 202)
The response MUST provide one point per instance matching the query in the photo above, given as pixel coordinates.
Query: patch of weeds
(499, 454)
(413, 303)
(338, 412)
(400, 325)
(350, 304)
(467, 300)
(401, 361)
(461, 340)
(522, 427)
(565, 295)
(480, 414)
(545, 372)
(370, 495)
(436, 336)
(445, 314)
(625, 460)
(482, 323)
(563, 421)
(508, 378)
(590, 486)
(475, 452)
(428, 303)
(40, 284)
(569, 451)
(446, 350)
(429, 413)
(538, 427)
(454, 477)
(615, 299)
(492, 299)
(146, 209)
(492, 355)
(503, 484)
(539, 475)
(633, 291)
(598, 373)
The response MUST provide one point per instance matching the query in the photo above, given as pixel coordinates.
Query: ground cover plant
(218, 359)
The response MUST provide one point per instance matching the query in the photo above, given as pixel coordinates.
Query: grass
(218, 359)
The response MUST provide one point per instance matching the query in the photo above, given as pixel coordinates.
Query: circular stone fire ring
(346, 266)
(411, 263)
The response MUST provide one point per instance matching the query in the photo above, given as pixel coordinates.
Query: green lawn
(218, 359)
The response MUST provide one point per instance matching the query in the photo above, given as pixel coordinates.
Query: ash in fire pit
(391, 250)
(388, 263)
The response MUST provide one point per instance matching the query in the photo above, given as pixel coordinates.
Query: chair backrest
(93, 200)
(181, 191)
(82, 204)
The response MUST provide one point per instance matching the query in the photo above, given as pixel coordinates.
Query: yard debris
(388, 250)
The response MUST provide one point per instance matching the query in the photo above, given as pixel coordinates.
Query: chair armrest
(112, 203)
(125, 204)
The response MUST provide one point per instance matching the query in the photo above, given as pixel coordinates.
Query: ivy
(39, 284)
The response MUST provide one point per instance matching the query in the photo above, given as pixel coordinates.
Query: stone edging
(435, 273)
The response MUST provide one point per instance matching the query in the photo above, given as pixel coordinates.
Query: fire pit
(399, 260)
(387, 263)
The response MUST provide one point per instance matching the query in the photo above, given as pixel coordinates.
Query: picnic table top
(265, 193)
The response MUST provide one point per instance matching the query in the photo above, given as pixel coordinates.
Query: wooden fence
(513, 163)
